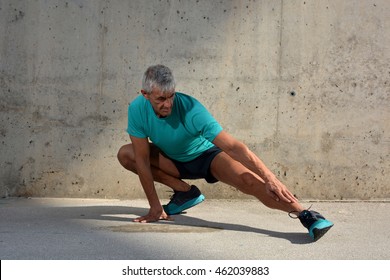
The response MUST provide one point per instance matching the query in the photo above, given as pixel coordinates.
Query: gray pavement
(77, 229)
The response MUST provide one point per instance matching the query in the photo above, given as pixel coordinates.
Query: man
(188, 143)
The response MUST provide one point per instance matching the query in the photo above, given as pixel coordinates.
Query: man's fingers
(167, 218)
(150, 219)
(280, 195)
(273, 195)
(144, 219)
(279, 192)
(290, 196)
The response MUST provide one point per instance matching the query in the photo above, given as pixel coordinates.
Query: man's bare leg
(233, 173)
(164, 171)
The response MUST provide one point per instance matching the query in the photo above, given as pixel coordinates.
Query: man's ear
(145, 94)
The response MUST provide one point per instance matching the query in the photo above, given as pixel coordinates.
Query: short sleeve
(134, 123)
(205, 123)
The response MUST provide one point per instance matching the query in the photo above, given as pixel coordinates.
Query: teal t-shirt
(183, 135)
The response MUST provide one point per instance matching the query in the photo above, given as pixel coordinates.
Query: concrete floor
(86, 229)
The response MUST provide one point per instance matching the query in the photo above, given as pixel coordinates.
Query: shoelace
(295, 214)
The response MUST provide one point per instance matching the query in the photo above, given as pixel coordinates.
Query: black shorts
(198, 168)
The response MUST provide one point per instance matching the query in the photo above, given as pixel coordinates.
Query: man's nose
(168, 102)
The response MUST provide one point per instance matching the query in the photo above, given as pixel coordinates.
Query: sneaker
(181, 201)
(315, 223)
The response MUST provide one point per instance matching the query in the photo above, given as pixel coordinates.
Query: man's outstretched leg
(233, 173)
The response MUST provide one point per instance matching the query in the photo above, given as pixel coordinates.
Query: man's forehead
(157, 92)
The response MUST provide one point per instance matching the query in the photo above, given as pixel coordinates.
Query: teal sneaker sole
(319, 228)
(174, 209)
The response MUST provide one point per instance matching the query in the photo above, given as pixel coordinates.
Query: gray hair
(158, 76)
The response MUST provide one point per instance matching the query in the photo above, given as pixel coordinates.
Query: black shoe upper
(307, 218)
(180, 198)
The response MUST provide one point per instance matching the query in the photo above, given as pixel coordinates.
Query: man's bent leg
(164, 171)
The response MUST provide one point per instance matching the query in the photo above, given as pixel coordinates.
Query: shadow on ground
(181, 223)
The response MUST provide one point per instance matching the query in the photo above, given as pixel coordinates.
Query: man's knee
(124, 154)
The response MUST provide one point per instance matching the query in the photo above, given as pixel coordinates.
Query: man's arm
(240, 152)
(142, 159)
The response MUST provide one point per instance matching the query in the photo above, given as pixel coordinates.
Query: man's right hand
(154, 215)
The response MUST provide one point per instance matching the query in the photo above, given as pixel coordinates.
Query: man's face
(162, 102)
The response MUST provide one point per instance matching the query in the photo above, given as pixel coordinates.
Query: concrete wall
(304, 83)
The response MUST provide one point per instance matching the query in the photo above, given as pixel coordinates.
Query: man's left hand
(153, 216)
(278, 191)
